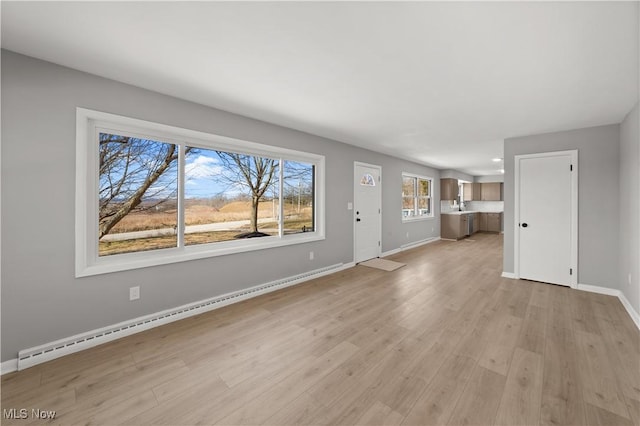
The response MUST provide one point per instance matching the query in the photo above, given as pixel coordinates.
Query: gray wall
(492, 178)
(629, 207)
(598, 197)
(41, 299)
(454, 174)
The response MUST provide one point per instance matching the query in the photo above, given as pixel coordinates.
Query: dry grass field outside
(201, 214)
(197, 214)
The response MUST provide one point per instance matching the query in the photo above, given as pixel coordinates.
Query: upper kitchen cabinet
(472, 192)
(448, 189)
(491, 191)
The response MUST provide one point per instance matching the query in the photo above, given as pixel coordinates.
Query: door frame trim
(353, 213)
(573, 154)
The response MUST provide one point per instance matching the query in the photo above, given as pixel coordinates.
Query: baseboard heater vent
(79, 342)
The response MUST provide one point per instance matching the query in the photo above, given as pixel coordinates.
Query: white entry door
(367, 212)
(546, 217)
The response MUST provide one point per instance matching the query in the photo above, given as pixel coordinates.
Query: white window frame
(416, 197)
(88, 262)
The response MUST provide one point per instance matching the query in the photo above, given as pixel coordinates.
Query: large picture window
(149, 194)
(416, 197)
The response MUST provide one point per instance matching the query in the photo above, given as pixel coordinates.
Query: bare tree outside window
(230, 196)
(137, 191)
(256, 174)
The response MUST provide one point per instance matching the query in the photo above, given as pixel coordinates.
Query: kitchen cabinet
(454, 226)
(448, 189)
(482, 222)
(449, 227)
(490, 222)
(472, 191)
(491, 191)
(494, 222)
(464, 226)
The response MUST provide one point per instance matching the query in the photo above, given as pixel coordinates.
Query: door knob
(524, 225)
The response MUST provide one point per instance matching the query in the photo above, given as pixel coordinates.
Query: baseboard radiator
(37, 355)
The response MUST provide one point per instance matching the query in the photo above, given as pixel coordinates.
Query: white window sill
(417, 219)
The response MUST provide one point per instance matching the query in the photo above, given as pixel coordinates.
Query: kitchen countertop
(466, 212)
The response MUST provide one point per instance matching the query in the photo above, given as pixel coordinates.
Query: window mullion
(415, 197)
(280, 201)
(181, 178)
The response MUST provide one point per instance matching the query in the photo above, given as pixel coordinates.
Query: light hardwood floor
(443, 340)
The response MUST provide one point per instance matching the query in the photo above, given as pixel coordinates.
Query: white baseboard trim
(600, 290)
(415, 244)
(632, 312)
(390, 252)
(410, 246)
(617, 293)
(9, 366)
(39, 354)
(510, 275)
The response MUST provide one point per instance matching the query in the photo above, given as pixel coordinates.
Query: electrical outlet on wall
(311, 255)
(134, 293)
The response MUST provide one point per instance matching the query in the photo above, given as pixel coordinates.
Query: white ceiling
(439, 83)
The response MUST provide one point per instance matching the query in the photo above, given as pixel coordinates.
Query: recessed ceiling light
(497, 159)
(501, 171)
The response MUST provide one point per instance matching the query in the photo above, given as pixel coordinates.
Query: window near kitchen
(416, 197)
(150, 194)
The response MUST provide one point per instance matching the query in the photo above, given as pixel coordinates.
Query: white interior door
(367, 212)
(546, 217)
